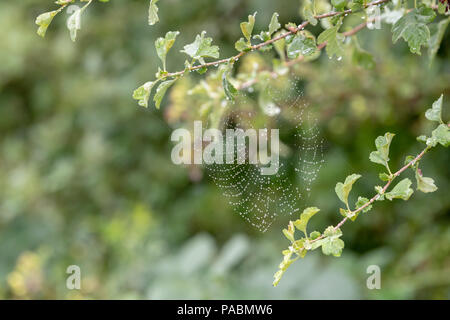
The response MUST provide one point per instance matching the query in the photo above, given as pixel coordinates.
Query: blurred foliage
(86, 176)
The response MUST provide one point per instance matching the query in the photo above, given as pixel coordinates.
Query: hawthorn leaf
(163, 45)
(301, 223)
(201, 48)
(435, 112)
(274, 24)
(161, 91)
(425, 184)
(412, 27)
(333, 40)
(401, 191)
(247, 27)
(343, 189)
(143, 93)
(331, 244)
(241, 45)
(44, 20)
(301, 45)
(308, 12)
(229, 89)
(440, 135)
(339, 4)
(280, 47)
(382, 143)
(361, 202)
(314, 235)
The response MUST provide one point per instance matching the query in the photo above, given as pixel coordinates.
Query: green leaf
(379, 190)
(408, 159)
(163, 45)
(384, 176)
(161, 91)
(241, 45)
(153, 13)
(44, 20)
(301, 223)
(435, 112)
(382, 143)
(412, 27)
(274, 24)
(357, 5)
(229, 89)
(277, 277)
(301, 45)
(299, 247)
(314, 235)
(331, 244)
(424, 184)
(201, 48)
(201, 70)
(247, 27)
(343, 189)
(143, 93)
(401, 191)
(339, 4)
(280, 47)
(333, 40)
(289, 232)
(267, 35)
(361, 202)
(308, 12)
(437, 31)
(287, 261)
(422, 138)
(440, 135)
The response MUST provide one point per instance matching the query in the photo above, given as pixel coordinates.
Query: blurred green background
(86, 176)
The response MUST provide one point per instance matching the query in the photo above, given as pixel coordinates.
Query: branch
(268, 42)
(378, 195)
(292, 62)
(329, 239)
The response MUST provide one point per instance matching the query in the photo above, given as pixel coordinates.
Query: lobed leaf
(201, 48)
(412, 27)
(343, 189)
(435, 112)
(301, 223)
(161, 91)
(401, 191)
(334, 41)
(163, 45)
(247, 27)
(382, 143)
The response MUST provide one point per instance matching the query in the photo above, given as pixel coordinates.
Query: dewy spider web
(258, 198)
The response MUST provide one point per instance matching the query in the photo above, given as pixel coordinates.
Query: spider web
(260, 199)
